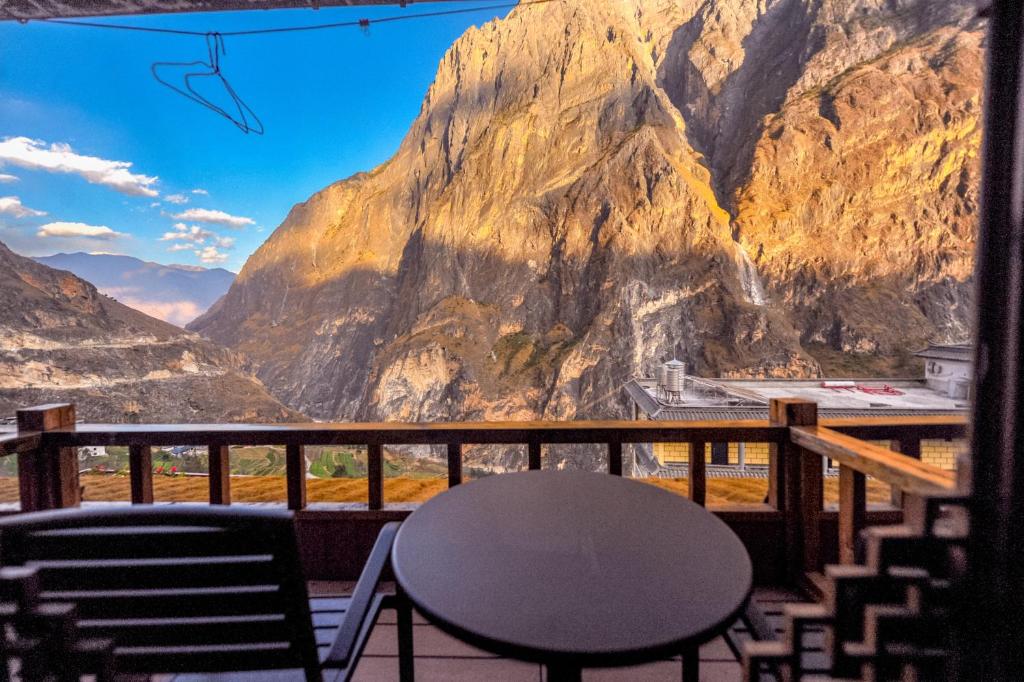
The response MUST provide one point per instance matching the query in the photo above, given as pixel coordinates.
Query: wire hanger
(246, 120)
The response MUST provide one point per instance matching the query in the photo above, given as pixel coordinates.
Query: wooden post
(789, 468)
(698, 474)
(220, 474)
(852, 511)
(295, 475)
(375, 476)
(911, 447)
(454, 464)
(534, 456)
(140, 471)
(615, 459)
(988, 643)
(48, 477)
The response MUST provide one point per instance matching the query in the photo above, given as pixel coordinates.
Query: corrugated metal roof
(49, 9)
(961, 352)
(655, 410)
(728, 413)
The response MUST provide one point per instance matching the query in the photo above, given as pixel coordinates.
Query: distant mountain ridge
(173, 293)
(61, 340)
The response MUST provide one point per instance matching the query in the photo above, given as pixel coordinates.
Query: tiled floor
(443, 658)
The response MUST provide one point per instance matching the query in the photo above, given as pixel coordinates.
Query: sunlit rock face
(591, 188)
(63, 341)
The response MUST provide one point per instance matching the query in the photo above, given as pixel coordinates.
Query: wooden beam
(48, 475)
(906, 473)
(26, 10)
(395, 433)
(698, 473)
(140, 473)
(852, 511)
(220, 474)
(295, 473)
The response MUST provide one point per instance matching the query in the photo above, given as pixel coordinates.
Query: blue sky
(77, 104)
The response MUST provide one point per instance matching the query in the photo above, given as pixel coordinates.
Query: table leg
(691, 664)
(406, 664)
(564, 673)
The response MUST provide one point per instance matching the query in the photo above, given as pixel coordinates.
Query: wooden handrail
(906, 473)
(395, 433)
(910, 428)
(15, 443)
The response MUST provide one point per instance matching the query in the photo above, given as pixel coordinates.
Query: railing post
(295, 475)
(911, 447)
(140, 473)
(852, 511)
(697, 479)
(454, 464)
(794, 474)
(48, 477)
(533, 456)
(615, 459)
(375, 475)
(220, 474)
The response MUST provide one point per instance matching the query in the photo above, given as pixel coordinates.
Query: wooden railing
(48, 472)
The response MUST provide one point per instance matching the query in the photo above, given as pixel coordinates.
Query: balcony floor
(440, 657)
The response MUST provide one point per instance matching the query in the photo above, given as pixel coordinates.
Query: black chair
(40, 641)
(193, 589)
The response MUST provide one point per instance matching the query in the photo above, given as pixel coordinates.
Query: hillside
(173, 293)
(61, 340)
(591, 188)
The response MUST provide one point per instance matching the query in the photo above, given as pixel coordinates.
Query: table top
(572, 567)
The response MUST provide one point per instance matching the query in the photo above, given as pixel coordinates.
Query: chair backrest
(178, 589)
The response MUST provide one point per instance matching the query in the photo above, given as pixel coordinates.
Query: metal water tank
(675, 373)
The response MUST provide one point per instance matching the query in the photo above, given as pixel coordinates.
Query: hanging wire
(215, 48)
(358, 23)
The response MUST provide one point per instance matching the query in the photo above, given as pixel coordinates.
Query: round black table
(573, 570)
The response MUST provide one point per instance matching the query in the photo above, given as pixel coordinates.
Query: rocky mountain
(61, 340)
(173, 293)
(757, 187)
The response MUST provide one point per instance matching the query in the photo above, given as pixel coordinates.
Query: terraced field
(248, 488)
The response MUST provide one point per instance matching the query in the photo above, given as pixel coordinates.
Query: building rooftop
(963, 352)
(748, 398)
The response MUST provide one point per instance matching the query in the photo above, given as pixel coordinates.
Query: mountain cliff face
(63, 341)
(753, 186)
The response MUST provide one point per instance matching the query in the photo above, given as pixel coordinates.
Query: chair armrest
(363, 600)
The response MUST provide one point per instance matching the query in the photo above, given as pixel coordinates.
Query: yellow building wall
(679, 453)
(940, 453)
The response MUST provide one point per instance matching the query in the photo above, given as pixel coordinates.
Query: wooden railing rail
(48, 475)
(857, 460)
(906, 473)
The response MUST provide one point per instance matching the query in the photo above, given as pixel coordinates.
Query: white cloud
(176, 198)
(210, 255)
(183, 232)
(198, 190)
(175, 312)
(8, 178)
(205, 215)
(225, 242)
(60, 158)
(179, 247)
(13, 206)
(62, 229)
